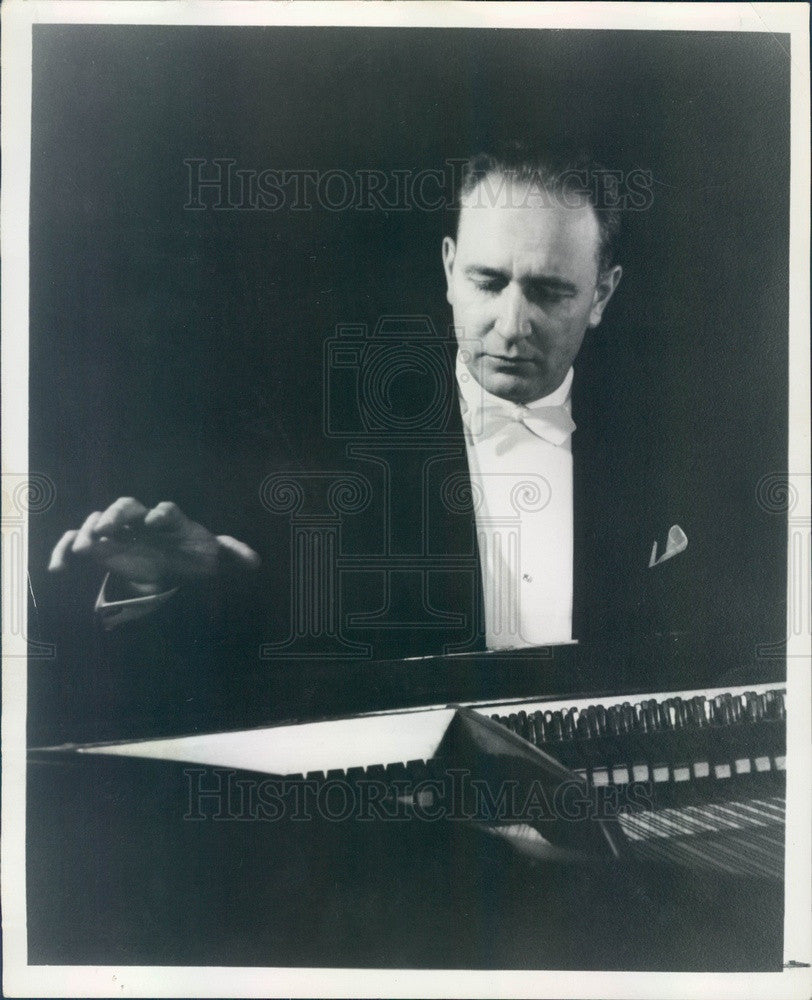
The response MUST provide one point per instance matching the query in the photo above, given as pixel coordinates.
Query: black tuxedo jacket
(408, 547)
(365, 525)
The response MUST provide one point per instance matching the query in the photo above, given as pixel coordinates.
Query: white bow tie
(551, 423)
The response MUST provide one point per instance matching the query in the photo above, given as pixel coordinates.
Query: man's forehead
(502, 215)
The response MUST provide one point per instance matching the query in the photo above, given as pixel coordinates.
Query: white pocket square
(677, 542)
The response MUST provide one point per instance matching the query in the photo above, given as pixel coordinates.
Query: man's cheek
(470, 328)
(477, 323)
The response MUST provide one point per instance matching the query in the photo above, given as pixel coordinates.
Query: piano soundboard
(698, 874)
(713, 762)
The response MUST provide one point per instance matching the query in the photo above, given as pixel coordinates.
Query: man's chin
(507, 386)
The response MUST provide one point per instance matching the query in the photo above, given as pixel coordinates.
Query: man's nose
(513, 319)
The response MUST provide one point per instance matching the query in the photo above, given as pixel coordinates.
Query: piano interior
(368, 840)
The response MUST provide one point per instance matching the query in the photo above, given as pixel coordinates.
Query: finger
(126, 512)
(61, 552)
(165, 516)
(85, 539)
(238, 550)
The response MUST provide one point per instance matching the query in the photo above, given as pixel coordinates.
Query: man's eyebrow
(550, 283)
(481, 271)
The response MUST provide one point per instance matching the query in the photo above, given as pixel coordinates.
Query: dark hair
(561, 172)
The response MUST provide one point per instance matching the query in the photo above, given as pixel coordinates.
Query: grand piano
(328, 838)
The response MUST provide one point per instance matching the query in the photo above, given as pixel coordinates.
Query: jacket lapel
(590, 476)
(460, 525)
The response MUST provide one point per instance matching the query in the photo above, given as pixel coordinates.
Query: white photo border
(23, 980)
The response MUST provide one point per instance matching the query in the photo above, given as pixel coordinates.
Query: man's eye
(489, 284)
(548, 296)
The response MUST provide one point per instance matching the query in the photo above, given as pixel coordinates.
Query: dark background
(161, 338)
(166, 343)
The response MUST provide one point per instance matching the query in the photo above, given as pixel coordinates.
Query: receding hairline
(537, 195)
(554, 167)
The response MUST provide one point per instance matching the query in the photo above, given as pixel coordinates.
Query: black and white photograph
(406, 500)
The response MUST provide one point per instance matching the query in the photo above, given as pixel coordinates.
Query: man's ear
(608, 281)
(449, 252)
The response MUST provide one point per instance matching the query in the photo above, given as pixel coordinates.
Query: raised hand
(150, 548)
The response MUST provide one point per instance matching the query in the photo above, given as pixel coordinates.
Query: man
(530, 271)
(571, 544)
(528, 274)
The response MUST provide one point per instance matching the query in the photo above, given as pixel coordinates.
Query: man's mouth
(505, 360)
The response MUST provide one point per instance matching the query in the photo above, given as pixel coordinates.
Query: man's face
(524, 286)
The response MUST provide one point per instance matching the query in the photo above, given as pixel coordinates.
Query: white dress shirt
(522, 486)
